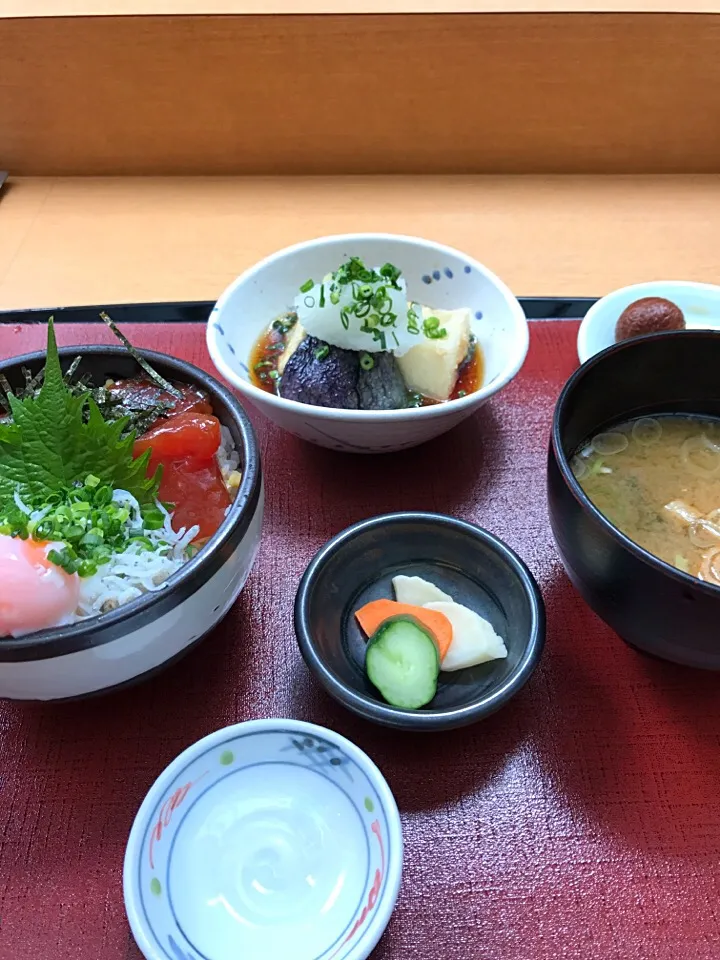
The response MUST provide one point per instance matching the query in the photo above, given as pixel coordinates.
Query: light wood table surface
(83, 241)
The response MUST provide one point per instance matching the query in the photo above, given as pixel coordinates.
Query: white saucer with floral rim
(266, 840)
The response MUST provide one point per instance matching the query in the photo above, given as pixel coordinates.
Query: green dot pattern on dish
(369, 805)
(155, 887)
(227, 757)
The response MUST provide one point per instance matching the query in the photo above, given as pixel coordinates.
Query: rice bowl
(169, 602)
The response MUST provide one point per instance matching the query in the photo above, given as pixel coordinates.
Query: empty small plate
(268, 839)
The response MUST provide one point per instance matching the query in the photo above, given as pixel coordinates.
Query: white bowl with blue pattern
(437, 276)
(267, 840)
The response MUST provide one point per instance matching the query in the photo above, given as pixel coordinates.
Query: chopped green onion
(92, 481)
(322, 294)
(103, 496)
(308, 285)
(391, 273)
(153, 519)
(285, 324)
(274, 375)
(261, 364)
(93, 538)
(334, 297)
(382, 301)
(433, 330)
(355, 270)
(44, 530)
(461, 393)
(322, 352)
(64, 559)
(366, 361)
(145, 541)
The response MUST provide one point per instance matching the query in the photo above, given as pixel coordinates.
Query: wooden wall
(351, 94)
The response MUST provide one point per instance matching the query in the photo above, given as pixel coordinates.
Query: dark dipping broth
(269, 347)
(657, 479)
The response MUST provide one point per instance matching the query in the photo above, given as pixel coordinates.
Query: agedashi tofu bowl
(130, 515)
(368, 342)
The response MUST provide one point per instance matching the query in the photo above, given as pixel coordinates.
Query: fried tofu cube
(431, 367)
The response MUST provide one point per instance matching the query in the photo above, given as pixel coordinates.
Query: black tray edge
(198, 311)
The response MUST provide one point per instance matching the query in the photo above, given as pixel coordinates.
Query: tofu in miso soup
(657, 479)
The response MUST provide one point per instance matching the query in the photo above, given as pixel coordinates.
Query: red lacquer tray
(582, 821)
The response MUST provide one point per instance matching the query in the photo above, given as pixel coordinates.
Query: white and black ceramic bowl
(136, 639)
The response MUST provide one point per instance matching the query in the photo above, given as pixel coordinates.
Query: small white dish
(265, 840)
(436, 275)
(699, 302)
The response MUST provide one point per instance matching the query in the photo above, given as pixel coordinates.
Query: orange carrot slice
(372, 615)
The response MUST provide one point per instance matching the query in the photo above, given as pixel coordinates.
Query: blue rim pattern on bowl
(311, 752)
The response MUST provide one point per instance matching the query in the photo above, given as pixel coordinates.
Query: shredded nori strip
(112, 407)
(153, 374)
(115, 406)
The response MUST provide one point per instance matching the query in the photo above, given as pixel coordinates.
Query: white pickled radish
(417, 592)
(326, 322)
(474, 641)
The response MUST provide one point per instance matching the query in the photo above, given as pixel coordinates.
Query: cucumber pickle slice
(402, 661)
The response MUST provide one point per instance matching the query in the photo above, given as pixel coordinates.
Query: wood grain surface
(339, 93)
(581, 822)
(99, 241)
(125, 8)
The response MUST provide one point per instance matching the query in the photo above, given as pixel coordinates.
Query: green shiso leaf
(48, 448)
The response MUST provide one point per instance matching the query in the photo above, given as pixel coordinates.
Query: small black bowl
(472, 566)
(650, 604)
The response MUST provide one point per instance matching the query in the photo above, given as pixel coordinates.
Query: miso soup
(657, 479)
